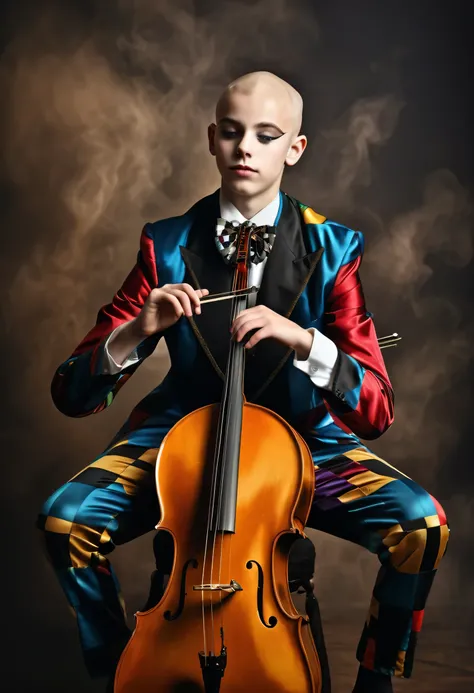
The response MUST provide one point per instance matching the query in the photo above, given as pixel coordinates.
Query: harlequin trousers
(358, 497)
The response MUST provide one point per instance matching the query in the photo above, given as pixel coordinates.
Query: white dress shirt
(319, 365)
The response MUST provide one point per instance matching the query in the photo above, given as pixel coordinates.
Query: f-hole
(182, 593)
(272, 621)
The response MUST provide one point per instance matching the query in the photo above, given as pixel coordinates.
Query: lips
(242, 168)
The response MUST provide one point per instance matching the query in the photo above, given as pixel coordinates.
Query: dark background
(103, 126)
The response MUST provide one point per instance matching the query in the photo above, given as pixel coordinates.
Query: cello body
(268, 644)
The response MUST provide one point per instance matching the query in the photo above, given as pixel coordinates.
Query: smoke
(441, 225)
(100, 145)
(347, 147)
(405, 260)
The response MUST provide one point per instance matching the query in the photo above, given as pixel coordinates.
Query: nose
(244, 145)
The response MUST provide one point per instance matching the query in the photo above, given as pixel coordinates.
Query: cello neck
(229, 428)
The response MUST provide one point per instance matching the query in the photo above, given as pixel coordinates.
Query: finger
(250, 317)
(201, 293)
(240, 321)
(183, 299)
(248, 311)
(178, 308)
(263, 333)
(252, 324)
(156, 295)
(194, 296)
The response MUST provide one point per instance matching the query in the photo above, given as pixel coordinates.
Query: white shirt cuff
(111, 367)
(319, 365)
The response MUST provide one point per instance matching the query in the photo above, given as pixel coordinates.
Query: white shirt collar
(265, 217)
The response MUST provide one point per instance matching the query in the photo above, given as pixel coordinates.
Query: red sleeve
(129, 299)
(79, 386)
(361, 397)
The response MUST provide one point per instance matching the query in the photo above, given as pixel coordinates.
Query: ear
(211, 133)
(296, 150)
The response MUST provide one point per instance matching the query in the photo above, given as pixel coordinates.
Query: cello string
(215, 475)
(209, 521)
(221, 464)
(240, 305)
(208, 530)
(237, 355)
(236, 351)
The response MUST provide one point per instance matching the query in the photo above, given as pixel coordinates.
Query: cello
(235, 484)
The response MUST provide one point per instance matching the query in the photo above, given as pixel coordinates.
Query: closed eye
(231, 134)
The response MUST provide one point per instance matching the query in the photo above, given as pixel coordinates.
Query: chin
(246, 188)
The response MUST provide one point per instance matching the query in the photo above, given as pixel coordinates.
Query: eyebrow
(258, 125)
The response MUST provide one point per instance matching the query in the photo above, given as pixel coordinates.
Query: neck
(250, 206)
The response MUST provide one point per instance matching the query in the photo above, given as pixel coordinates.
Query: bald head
(267, 86)
(258, 119)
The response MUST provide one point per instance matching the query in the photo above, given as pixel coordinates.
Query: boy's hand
(267, 323)
(164, 307)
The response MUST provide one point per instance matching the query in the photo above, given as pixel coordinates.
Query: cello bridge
(233, 586)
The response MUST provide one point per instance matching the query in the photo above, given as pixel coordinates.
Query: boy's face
(255, 130)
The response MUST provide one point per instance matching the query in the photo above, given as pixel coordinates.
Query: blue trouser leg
(110, 502)
(361, 498)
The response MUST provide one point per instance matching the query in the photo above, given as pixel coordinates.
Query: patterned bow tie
(227, 235)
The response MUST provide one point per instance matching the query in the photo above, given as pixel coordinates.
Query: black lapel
(287, 271)
(206, 269)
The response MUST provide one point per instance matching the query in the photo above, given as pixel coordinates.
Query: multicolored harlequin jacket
(311, 277)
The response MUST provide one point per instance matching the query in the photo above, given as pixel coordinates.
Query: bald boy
(312, 356)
